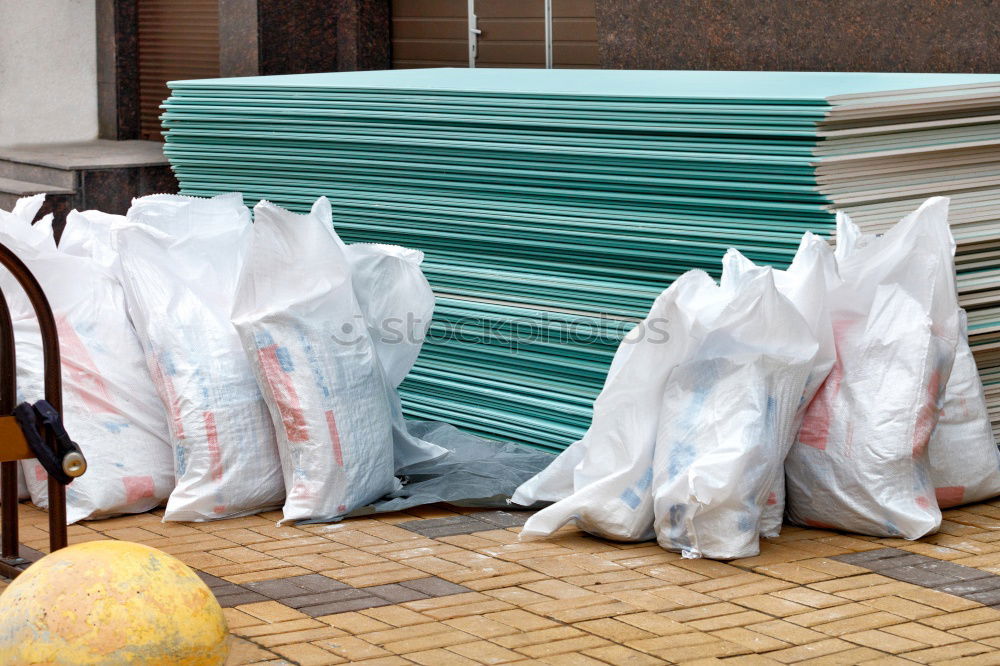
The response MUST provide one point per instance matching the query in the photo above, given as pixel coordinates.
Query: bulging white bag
(603, 482)
(397, 305)
(964, 459)
(728, 415)
(110, 406)
(180, 260)
(860, 460)
(88, 234)
(396, 300)
(306, 338)
(806, 283)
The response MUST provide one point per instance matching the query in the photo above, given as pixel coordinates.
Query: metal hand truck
(32, 431)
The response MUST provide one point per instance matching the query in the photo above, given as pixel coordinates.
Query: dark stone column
(363, 35)
(302, 36)
(118, 69)
(802, 35)
(238, 54)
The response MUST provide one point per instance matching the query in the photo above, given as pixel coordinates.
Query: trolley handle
(66, 462)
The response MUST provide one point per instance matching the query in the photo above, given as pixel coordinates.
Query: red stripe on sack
(137, 488)
(927, 415)
(331, 424)
(82, 377)
(169, 398)
(820, 525)
(949, 496)
(294, 422)
(815, 428)
(214, 452)
(772, 499)
(300, 491)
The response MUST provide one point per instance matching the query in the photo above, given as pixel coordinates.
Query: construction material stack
(553, 206)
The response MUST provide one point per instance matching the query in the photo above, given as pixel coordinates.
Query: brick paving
(440, 585)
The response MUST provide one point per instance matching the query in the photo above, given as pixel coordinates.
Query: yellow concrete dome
(110, 603)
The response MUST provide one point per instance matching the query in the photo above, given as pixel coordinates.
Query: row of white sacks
(849, 375)
(197, 359)
(840, 393)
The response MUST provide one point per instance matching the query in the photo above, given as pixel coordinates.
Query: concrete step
(64, 164)
(37, 173)
(99, 174)
(11, 190)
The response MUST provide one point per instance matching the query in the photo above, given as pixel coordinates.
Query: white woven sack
(306, 338)
(110, 406)
(728, 416)
(603, 481)
(806, 283)
(860, 460)
(396, 300)
(964, 459)
(397, 305)
(180, 260)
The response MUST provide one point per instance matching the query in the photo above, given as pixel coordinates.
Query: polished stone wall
(302, 36)
(802, 35)
(255, 37)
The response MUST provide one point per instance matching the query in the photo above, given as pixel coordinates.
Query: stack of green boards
(553, 206)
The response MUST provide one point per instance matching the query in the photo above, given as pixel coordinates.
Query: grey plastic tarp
(478, 472)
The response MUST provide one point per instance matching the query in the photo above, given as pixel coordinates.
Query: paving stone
(986, 597)
(276, 589)
(211, 581)
(448, 526)
(238, 597)
(906, 560)
(324, 598)
(955, 571)
(396, 593)
(295, 586)
(29, 554)
(435, 587)
(361, 603)
(504, 518)
(864, 558)
(318, 583)
(966, 587)
(918, 576)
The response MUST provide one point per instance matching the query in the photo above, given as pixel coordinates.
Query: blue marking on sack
(322, 383)
(167, 363)
(745, 523)
(115, 427)
(263, 339)
(284, 359)
(630, 498)
(180, 460)
(646, 481)
(682, 454)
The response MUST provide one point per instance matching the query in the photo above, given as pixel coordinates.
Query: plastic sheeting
(477, 472)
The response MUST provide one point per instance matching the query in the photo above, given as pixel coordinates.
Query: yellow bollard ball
(110, 603)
